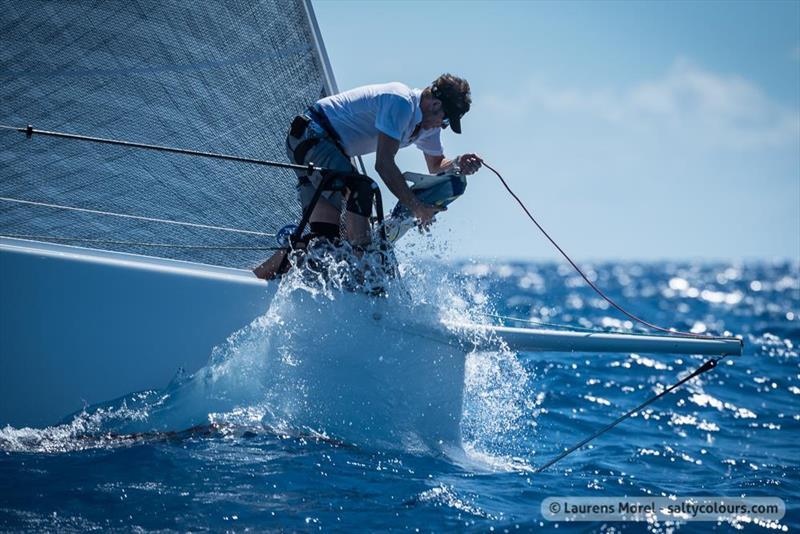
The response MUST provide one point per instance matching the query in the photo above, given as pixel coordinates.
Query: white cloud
(796, 53)
(686, 103)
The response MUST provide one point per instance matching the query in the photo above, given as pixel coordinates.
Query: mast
(331, 88)
(330, 81)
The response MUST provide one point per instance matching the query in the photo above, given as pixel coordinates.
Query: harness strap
(301, 124)
(318, 116)
(361, 188)
(303, 147)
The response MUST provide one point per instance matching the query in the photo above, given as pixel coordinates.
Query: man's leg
(328, 209)
(356, 229)
(325, 212)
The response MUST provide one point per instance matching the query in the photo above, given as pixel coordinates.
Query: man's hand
(469, 163)
(425, 214)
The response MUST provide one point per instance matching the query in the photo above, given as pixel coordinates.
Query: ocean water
(304, 423)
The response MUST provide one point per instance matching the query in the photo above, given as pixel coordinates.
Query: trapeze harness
(361, 189)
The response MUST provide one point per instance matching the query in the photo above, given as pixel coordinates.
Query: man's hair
(455, 90)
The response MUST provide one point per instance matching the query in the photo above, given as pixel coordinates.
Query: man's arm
(468, 163)
(437, 164)
(393, 178)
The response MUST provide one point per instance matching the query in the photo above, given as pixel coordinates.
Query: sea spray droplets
(495, 402)
(445, 495)
(327, 268)
(89, 429)
(499, 404)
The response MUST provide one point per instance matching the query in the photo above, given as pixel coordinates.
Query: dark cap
(454, 94)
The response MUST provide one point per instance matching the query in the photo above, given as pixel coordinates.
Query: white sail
(223, 76)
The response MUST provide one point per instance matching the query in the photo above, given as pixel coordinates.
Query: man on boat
(379, 118)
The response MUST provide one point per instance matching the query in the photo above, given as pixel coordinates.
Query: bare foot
(269, 269)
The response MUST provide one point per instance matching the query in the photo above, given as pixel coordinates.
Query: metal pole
(29, 131)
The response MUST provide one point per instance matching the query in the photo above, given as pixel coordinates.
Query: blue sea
(219, 450)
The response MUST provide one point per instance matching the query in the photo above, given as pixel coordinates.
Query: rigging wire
(539, 323)
(708, 365)
(30, 131)
(136, 217)
(576, 327)
(136, 244)
(586, 278)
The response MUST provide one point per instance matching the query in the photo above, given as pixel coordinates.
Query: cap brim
(455, 125)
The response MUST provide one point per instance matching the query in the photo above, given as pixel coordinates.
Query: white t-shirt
(393, 108)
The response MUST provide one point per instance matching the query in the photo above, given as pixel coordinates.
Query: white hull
(79, 327)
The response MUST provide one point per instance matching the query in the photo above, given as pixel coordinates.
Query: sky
(632, 130)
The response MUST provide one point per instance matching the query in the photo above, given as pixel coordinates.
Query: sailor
(380, 119)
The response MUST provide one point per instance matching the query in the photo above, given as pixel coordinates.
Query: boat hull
(80, 327)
